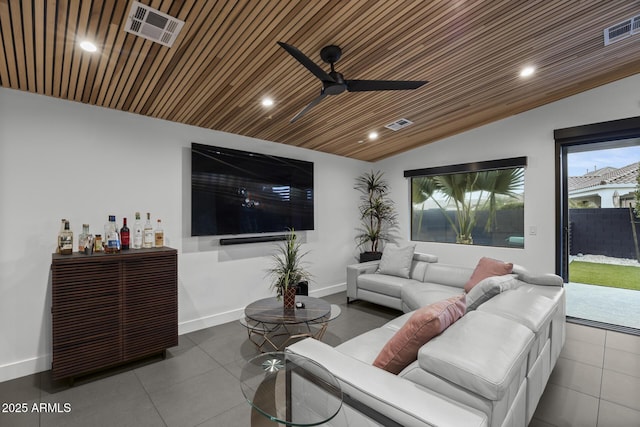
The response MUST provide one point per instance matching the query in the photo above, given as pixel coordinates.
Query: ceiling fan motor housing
(335, 87)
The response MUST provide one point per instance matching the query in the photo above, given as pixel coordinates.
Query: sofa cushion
(488, 288)
(383, 284)
(481, 352)
(424, 324)
(396, 260)
(449, 275)
(366, 347)
(417, 294)
(487, 267)
(537, 279)
(532, 311)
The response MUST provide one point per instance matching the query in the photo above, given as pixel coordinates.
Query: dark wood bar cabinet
(109, 309)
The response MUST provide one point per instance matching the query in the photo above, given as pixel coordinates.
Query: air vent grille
(399, 124)
(152, 24)
(622, 30)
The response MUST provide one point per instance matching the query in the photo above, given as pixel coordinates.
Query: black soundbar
(256, 239)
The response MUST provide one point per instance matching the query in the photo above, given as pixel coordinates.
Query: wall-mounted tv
(238, 192)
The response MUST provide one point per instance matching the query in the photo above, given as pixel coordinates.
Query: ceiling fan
(333, 83)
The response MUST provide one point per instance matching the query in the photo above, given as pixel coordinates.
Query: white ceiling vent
(399, 124)
(152, 24)
(622, 30)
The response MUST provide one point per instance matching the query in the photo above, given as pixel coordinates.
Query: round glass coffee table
(290, 389)
(267, 321)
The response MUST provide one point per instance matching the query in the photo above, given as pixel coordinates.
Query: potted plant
(377, 214)
(288, 270)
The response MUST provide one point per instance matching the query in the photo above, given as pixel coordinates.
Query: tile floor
(596, 381)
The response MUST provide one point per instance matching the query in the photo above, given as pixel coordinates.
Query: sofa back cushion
(425, 323)
(446, 274)
(487, 267)
(420, 264)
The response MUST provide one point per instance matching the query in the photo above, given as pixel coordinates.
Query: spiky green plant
(288, 268)
(377, 212)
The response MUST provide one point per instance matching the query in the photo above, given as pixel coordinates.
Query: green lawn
(614, 276)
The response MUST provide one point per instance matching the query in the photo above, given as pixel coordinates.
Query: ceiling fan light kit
(334, 83)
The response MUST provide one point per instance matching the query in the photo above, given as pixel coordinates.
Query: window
(474, 203)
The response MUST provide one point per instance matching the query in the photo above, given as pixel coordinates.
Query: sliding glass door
(597, 248)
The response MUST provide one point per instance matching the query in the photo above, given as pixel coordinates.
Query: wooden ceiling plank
(69, 41)
(28, 31)
(9, 69)
(39, 24)
(60, 37)
(19, 44)
(49, 47)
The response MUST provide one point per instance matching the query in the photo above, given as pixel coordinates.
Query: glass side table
(290, 389)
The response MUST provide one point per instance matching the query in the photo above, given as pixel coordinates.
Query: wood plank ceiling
(226, 60)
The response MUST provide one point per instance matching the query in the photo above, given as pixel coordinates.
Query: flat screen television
(238, 192)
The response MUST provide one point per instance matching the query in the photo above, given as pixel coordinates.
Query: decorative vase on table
(289, 298)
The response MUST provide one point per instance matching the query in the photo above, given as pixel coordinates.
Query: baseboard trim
(232, 315)
(25, 367)
(37, 364)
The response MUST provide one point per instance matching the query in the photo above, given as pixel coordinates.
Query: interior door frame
(580, 135)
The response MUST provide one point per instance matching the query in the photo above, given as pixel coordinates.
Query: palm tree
(458, 188)
(499, 182)
(467, 192)
(422, 188)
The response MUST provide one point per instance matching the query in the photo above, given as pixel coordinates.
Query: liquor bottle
(112, 236)
(137, 232)
(148, 238)
(159, 235)
(97, 246)
(62, 221)
(124, 235)
(65, 240)
(83, 238)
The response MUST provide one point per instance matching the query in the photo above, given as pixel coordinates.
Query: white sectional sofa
(489, 368)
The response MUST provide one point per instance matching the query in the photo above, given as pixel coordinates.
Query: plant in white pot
(377, 214)
(288, 269)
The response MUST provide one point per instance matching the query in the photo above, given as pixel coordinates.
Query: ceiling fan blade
(312, 104)
(306, 62)
(370, 85)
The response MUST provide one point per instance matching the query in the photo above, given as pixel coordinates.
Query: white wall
(60, 159)
(528, 134)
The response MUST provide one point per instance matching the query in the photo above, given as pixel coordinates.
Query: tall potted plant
(288, 270)
(377, 214)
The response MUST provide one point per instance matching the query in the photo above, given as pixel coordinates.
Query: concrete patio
(603, 304)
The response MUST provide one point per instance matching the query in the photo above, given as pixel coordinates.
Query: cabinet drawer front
(86, 356)
(150, 335)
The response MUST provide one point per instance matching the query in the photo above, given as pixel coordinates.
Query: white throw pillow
(396, 260)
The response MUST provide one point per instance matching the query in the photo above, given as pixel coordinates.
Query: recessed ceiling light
(373, 135)
(267, 102)
(527, 71)
(88, 46)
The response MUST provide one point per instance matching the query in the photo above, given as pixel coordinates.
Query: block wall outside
(602, 232)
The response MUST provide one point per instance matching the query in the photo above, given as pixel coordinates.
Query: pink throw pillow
(426, 323)
(487, 267)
